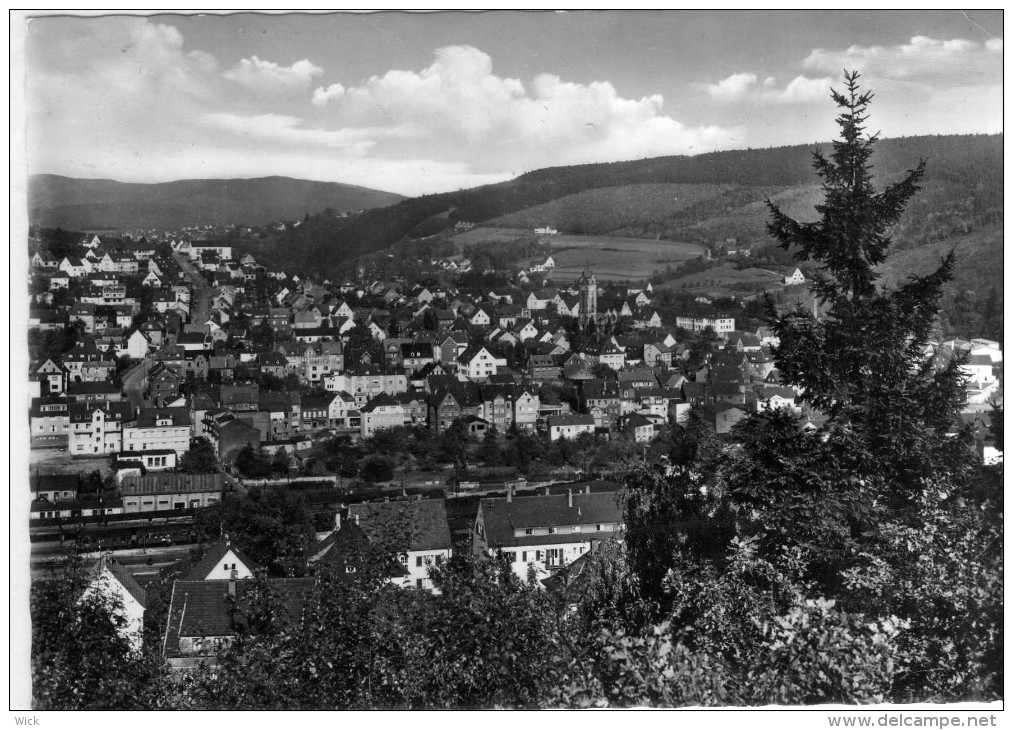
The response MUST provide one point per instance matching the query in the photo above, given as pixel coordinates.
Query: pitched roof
(122, 575)
(166, 483)
(503, 518)
(149, 417)
(215, 552)
(201, 608)
(428, 521)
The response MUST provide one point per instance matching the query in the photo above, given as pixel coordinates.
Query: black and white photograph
(485, 360)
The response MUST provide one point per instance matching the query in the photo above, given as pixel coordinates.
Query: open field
(481, 234)
(614, 258)
(726, 280)
(54, 461)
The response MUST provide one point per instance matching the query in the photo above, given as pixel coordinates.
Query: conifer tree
(863, 360)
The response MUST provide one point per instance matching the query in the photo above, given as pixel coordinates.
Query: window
(552, 530)
(418, 583)
(404, 559)
(524, 556)
(529, 531)
(418, 561)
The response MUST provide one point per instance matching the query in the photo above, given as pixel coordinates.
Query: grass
(483, 234)
(726, 280)
(615, 258)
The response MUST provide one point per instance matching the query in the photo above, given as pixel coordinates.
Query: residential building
(546, 533)
(158, 429)
(430, 543)
(570, 426)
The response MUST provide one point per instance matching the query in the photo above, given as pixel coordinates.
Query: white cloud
(923, 59)
(803, 90)
(462, 110)
(323, 95)
(734, 87)
(267, 76)
(742, 87)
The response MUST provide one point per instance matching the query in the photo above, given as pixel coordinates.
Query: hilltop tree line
(965, 162)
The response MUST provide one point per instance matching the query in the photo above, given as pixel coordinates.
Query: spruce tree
(861, 357)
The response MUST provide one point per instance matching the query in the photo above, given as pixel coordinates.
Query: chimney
(337, 520)
(510, 493)
(232, 583)
(356, 520)
(587, 489)
(569, 498)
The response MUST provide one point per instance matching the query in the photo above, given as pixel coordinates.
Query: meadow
(615, 258)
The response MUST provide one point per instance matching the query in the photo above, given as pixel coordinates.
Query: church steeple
(588, 285)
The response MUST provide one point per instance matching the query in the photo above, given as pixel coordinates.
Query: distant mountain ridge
(76, 203)
(963, 191)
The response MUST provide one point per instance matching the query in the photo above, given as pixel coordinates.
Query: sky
(417, 103)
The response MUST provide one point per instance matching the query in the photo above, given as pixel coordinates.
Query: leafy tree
(489, 451)
(376, 469)
(252, 464)
(200, 459)
(280, 462)
(80, 660)
(273, 527)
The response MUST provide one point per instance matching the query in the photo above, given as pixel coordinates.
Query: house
(795, 278)
(205, 615)
(721, 325)
(75, 268)
(50, 378)
(365, 382)
(724, 415)
(339, 408)
(601, 399)
(229, 435)
(110, 580)
(979, 369)
(97, 428)
(383, 411)
(415, 355)
(611, 355)
(163, 383)
(158, 429)
(478, 363)
(85, 392)
(657, 353)
(770, 397)
(315, 411)
(424, 519)
(451, 402)
(49, 421)
(138, 345)
(571, 426)
(221, 561)
(480, 318)
(546, 533)
(639, 427)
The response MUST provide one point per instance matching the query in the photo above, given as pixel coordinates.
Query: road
(133, 382)
(200, 298)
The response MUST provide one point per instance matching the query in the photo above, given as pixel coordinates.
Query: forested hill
(55, 201)
(965, 168)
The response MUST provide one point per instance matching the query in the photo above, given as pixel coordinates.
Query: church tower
(588, 285)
